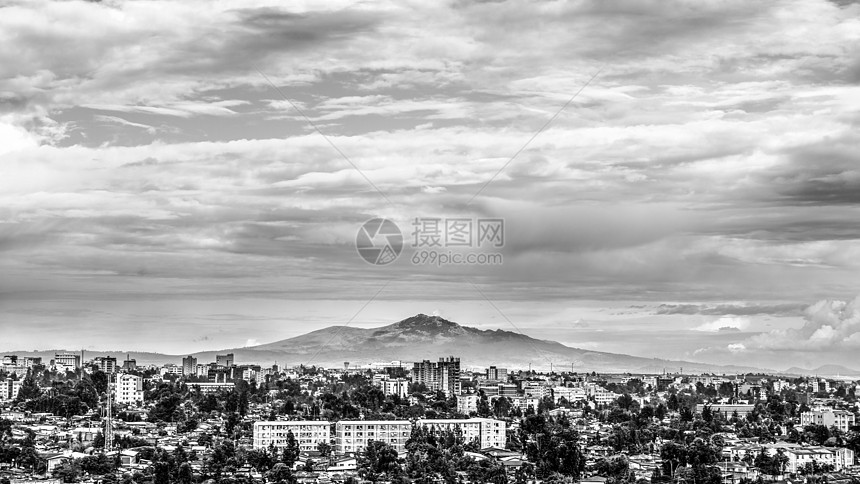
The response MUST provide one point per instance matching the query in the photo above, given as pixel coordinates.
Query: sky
(678, 179)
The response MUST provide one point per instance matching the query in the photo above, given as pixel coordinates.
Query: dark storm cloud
(255, 35)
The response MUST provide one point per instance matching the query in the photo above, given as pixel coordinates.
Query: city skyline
(676, 180)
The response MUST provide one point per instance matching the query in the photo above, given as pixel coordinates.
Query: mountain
(826, 371)
(431, 337)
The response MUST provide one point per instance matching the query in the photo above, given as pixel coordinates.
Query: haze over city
(189, 176)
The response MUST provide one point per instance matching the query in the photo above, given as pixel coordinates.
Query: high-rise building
(308, 433)
(106, 364)
(499, 374)
(130, 364)
(189, 366)
(224, 360)
(216, 373)
(443, 375)
(129, 389)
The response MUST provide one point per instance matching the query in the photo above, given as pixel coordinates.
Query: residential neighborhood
(104, 420)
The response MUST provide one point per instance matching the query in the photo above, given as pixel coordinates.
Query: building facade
(189, 366)
(9, 389)
(224, 360)
(352, 436)
(68, 360)
(828, 417)
(498, 374)
(308, 433)
(129, 389)
(486, 431)
(443, 375)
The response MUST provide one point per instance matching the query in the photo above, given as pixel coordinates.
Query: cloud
(713, 158)
(785, 309)
(725, 323)
(736, 347)
(829, 324)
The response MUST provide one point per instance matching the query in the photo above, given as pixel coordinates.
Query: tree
(67, 471)
(291, 450)
(378, 461)
(29, 389)
(280, 473)
(483, 405)
(552, 447)
(616, 470)
(324, 448)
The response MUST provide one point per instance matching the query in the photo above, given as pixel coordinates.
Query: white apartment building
(128, 389)
(571, 394)
(106, 364)
(68, 360)
(396, 386)
(819, 386)
(780, 385)
(523, 403)
(800, 455)
(467, 403)
(308, 433)
(171, 369)
(488, 432)
(828, 417)
(353, 435)
(9, 389)
(536, 389)
(207, 388)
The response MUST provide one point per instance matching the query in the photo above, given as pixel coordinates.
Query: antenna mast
(109, 418)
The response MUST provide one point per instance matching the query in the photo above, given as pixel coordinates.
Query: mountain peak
(422, 321)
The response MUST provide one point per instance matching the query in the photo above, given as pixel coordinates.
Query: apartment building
(106, 364)
(189, 366)
(467, 404)
(395, 386)
(207, 388)
(9, 389)
(498, 374)
(571, 394)
(828, 417)
(128, 389)
(727, 410)
(488, 432)
(308, 433)
(523, 403)
(443, 375)
(353, 435)
(68, 360)
(536, 389)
